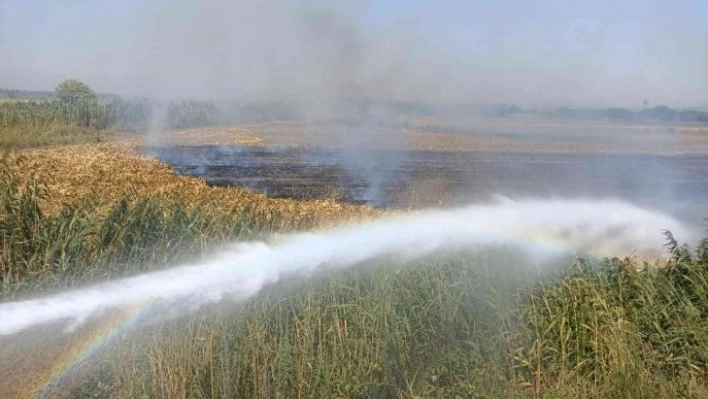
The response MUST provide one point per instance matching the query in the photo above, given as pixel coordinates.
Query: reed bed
(32, 123)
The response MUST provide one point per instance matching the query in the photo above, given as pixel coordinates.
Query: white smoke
(541, 227)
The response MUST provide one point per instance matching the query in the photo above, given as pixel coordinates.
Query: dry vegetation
(459, 326)
(432, 135)
(112, 171)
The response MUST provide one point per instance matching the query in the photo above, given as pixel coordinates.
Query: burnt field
(677, 184)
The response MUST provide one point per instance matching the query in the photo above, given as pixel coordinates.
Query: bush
(74, 92)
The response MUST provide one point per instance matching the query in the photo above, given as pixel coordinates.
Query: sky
(542, 53)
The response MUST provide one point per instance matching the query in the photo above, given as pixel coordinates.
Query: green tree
(72, 91)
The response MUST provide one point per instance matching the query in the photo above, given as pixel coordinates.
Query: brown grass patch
(433, 135)
(112, 171)
(232, 135)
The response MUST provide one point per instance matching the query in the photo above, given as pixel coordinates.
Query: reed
(460, 325)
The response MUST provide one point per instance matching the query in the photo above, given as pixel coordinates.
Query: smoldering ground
(341, 73)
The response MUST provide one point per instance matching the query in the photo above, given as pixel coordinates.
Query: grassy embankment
(453, 326)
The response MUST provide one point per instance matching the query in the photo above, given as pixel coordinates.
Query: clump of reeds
(620, 329)
(34, 123)
(84, 242)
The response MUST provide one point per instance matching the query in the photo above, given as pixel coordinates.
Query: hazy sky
(533, 53)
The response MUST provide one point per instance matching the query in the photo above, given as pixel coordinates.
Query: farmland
(662, 167)
(461, 324)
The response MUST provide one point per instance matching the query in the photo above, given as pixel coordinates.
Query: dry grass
(477, 136)
(115, 169)
(478, 143)
(209, 136)
(546, 122)
(111, 171)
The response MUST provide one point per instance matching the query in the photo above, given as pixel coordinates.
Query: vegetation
(74, 92)
(75, 116)
(461, 325)
(36, 123)
(659, 113)
(78, 116)
(456, 326)
(81, 242)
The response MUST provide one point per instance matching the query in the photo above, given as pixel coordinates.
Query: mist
(324, 59)
(551, 53)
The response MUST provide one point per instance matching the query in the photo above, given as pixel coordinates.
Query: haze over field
(542, 54)
(388, 199)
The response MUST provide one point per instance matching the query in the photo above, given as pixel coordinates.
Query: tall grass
(461, 325)
(26, 124)
(35, 123)
(129, 115)
(42, 122)
(620, 330)
(456, 326)
(82, 243)
(384, 333)
(42, 114)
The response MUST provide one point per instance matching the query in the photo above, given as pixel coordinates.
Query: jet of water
(541, 227)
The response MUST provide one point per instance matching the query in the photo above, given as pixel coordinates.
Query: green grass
(615, 331)
(461, 325)
(442, 327)
(26, 124)
(33, 123)
(44, 114)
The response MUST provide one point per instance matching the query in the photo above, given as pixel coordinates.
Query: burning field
(659, 167)
(114, 171)
(353, 199)
(245, 262)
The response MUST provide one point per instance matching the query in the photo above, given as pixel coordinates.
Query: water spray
(542, 228)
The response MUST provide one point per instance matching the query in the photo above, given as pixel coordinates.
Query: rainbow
(110, 328)
(121, 320)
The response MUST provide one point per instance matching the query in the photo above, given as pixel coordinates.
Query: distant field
(429, 165)
(8, 100)
(507, 134)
